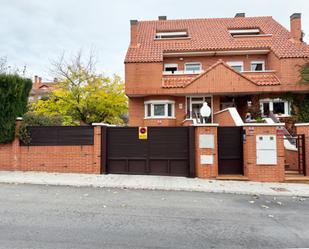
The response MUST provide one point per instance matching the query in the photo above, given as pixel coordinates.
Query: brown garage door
(230, 150)
(167, 151)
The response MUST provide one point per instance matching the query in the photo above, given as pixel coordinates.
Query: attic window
(171, 35)
(240, 32)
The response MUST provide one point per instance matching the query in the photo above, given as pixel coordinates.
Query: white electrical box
(207, 159)
(266, 149)
(207, 141)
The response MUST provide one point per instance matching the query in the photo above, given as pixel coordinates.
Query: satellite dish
(205, 110)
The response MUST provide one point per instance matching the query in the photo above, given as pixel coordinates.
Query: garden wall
(55, 158)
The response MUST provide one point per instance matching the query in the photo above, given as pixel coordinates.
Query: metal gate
(230, 150)
(299, 163)
(167, 151)
(300, 144)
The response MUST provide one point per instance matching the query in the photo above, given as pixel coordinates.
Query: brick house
(41, 89)
(173, 66)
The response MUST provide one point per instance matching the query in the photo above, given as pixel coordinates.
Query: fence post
(206, 150)
(16, 147)
(97, 149)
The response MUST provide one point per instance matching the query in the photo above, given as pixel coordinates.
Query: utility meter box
(266, 149)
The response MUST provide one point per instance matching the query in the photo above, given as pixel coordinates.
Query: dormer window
(171, 35)
(257, 66)
(171, 67)
(244, 32)
(193, 67)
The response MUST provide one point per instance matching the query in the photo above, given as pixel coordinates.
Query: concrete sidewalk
(155, 183)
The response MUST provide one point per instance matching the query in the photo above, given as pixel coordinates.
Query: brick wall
(206, 170)
(265, 173)
(69, 159)
(137, 111)
(291, 159)
(224, 118)
(303, 129)
(146, 78)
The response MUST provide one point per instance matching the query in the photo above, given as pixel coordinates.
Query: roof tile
(212, 34)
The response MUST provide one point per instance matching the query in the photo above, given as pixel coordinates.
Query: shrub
(14, 92)
(303, 110)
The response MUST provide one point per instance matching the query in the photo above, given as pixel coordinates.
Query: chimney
(40, 80)
(240, 15)
(36, 82)
(162, 18)
(134, 24)
(295, 22)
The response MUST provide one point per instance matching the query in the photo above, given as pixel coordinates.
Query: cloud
(34, 32)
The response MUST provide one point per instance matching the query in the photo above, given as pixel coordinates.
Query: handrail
(286, 133)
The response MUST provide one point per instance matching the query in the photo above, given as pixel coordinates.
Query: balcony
(183, 72)
(180, 79)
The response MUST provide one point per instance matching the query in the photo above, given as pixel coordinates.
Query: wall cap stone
(103, 124)
(206, 125)
(302, 124)
(263, 124)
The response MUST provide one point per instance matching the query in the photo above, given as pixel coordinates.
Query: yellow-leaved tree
(83, 96)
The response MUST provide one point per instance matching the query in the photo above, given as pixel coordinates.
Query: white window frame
(256, 62)
(198, 102)
(170, 65)
(159, 102)
(193, 71)
(244, 31)
(236, 63)
(172, 35)
(287, 106)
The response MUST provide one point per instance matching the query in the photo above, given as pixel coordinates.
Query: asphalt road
(67, 217)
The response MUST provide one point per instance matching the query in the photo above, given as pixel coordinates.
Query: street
(67, 217)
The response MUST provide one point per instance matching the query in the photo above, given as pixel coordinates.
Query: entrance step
(296, 178)
(292, 173)
(232, 177)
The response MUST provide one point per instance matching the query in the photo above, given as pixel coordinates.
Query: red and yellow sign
(142, 133)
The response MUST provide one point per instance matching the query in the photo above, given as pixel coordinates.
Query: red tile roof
(263, 78)
(176, 81)
(212, 34)
(257, 78)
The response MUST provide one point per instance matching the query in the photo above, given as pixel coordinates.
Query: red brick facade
(146, 57)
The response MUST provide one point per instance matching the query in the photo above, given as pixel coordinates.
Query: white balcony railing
(182, 72)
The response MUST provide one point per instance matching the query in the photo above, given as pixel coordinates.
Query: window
(276, 106)
(242, 32)
(193, 67)
(236, 65)
(170, 68)
(194, 105)
(257, 66)
(159, 109)
(171, 35)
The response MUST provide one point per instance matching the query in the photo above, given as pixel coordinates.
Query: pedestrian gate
(230, 150)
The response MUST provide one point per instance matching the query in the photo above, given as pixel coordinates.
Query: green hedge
(14, 92)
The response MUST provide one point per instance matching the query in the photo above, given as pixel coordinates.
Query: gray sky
(36, 32)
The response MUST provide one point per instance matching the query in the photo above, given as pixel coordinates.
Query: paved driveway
(67, 217)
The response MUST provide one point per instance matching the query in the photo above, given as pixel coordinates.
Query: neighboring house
(41, 89)
(173, 66)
